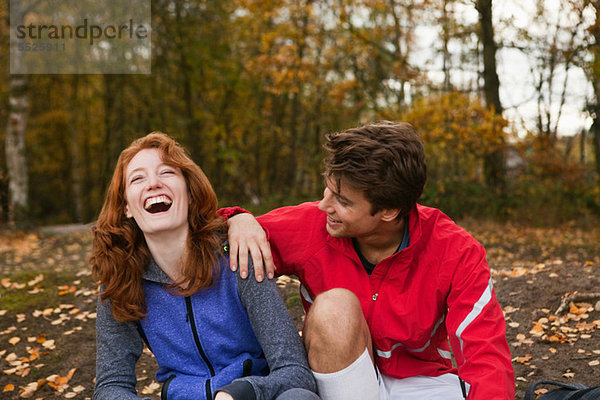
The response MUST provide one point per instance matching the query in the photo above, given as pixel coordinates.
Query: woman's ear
(127, 213)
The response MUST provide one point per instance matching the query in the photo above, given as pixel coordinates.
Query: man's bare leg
(339, 348)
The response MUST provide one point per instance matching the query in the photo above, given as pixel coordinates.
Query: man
(385, 281)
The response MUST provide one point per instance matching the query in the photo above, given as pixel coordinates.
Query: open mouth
(157, 204)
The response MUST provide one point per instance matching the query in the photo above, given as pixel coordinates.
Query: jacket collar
(414, 224)
(153, 273)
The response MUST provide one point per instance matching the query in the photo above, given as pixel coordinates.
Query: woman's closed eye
(136, 178)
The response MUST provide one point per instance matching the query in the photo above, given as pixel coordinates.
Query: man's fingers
(257, 261)
(246, 235)
(269, 264)
(233, 255)
(243, 261)
(267, 257)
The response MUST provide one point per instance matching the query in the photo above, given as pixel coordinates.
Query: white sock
(358, 381)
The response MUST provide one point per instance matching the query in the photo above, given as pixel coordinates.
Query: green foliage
(551, 189)
(462, 198)
(458, 132)
(49, 167)
(592, 197)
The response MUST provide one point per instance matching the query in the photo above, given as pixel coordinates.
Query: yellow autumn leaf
(30, 389)
(14, 340)
(522, 360)
(59, 383)
(557, 338)
(78, 389)
(36, 280)
(574, 309)
(151, 388)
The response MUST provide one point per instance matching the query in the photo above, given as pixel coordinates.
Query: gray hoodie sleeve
(118, 347)
(279, 340)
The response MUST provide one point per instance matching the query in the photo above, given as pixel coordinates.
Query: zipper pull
(375, 296)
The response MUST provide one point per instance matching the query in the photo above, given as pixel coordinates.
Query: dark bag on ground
(565, 391)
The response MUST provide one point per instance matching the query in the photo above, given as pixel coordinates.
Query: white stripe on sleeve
(477, 309)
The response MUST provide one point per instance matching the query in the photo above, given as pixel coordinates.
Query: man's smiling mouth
(157, 204)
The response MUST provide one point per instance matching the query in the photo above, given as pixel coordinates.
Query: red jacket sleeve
(228, 212)
(477, 329)
(289, 230)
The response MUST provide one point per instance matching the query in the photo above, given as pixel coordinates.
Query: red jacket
(438, 287)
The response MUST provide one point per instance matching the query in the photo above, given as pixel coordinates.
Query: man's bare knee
(335, 332)
(335, 312)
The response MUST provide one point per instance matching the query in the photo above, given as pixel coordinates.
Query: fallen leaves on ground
(20, 243)
(58, 383)
(37, 338)
(533, 270)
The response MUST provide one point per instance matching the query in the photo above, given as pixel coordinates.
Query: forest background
(251, 87)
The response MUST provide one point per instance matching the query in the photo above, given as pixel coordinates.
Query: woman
(159, 256)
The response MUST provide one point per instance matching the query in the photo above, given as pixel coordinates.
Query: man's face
(348, 211)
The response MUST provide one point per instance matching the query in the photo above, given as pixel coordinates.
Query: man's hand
(223, 396)
(246, 235)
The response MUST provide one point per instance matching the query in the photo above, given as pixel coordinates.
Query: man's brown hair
(385, 160)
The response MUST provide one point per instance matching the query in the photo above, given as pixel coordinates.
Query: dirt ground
(47, 309)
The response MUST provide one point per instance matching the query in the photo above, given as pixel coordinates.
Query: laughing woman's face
(156, 194)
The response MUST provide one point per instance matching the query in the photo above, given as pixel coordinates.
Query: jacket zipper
(165, 388)
(190, 313)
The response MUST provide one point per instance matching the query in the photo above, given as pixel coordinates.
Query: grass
(49, 291)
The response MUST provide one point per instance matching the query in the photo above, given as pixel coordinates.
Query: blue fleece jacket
(234, 336)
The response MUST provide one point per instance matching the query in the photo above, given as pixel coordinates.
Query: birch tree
(18, 103)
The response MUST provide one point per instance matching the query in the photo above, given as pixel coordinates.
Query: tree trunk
(77, 190)
(16, 163)
(494, 165)
(595, 129)
(582, 139)
(445, 51)
(184, 66)
(108, 146)
(18, 106)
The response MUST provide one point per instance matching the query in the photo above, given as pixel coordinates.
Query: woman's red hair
(120, 254)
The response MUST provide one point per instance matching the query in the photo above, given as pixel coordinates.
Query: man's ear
(389, 214)
(127, 213)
